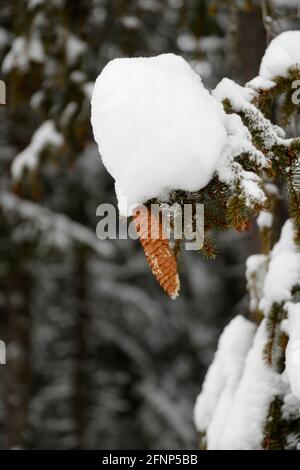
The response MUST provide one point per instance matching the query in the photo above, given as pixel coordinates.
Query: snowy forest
(201, 105)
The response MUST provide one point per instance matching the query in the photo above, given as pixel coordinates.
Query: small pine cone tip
(158, 252)
(177, 289)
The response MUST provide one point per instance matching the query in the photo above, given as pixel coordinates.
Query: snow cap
(282, 53)
(156, 126)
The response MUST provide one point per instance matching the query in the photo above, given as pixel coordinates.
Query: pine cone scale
(158, 252)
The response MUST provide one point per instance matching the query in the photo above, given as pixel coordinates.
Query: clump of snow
(293, 348)
(216, 399)
(88, 89)
(272, 190)
(241, 100)
(260, 83)
(265, 220)
(250, 186)
(239, 142)
(283, 271)
(22, 52)
(239, 96)
(187, 42)
(256, 390)
(130, 22)
(286, 241)
(282, 54)
(77, 76)
(45, 135)
(37, 99)
(156, 126)
(75, 47)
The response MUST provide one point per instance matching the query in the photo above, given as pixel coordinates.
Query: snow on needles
(240, 386)
(58, 230)
(156, 126)
(282, 54)
(216, 399)
(22, 52)
(283, 271)
(293, 348)
(45, 135)
(234, 403)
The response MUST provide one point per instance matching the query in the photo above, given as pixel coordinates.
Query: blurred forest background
(97, 355)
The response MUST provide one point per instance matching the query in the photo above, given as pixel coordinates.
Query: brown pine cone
(156, 246)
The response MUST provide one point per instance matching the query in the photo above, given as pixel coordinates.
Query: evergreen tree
(97, 357)
(250, 398)
(92, 345)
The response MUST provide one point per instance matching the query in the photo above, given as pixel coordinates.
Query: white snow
(283, 274)
(22, 52)
(241, 99)
(156, 126)
(265, 220)
(233, 406)
(251, 189)
(34, 3)
(75, 47)
(239, 96)
(35, 49)
(45, 135)
(283, 271)
(257, 388)
(260, 83)
(88, 89)
(77, 76)
(272, 190)
(36, 99)
(130, 22)
(238, 390)
(293, 348)
(216, 399)
(58, 230)
(231, 172)
(282, 54)
(16, 57)
(187, 42)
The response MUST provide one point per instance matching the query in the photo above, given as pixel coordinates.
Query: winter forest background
(97, 355)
